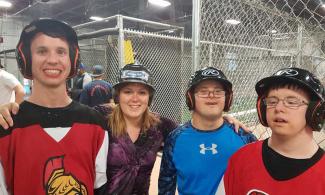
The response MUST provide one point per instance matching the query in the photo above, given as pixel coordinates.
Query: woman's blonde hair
(117, 122)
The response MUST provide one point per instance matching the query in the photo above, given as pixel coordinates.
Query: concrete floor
(153, 190)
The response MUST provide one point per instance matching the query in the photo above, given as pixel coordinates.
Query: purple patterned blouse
(129, 164)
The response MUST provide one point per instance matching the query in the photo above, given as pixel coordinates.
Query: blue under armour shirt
(198, 159)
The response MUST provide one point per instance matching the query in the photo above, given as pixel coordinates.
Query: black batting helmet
(134, 73)
(205, 74)
(52, 28)
(316, 108)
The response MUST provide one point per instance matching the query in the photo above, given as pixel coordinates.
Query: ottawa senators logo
(256, 192)
(57, 182)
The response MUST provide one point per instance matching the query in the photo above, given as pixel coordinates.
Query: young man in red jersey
(291, 103)
(56, 146)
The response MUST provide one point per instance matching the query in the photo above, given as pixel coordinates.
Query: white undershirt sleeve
(3, 188)
(221, 188)
(101, 163)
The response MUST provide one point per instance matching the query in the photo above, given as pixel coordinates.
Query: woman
(136, 134)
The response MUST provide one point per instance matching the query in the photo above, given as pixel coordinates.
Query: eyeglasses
(206, 93)
(289, 102)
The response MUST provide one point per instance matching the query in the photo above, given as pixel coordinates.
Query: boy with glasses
(291, 103)
(195, 155)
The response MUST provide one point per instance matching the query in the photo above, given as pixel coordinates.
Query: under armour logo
(210, 72)
(212, 148)
(287, 72)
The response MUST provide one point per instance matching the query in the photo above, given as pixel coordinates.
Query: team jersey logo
(213, 149)
(287, 72)
(210, 72)
(58, 182)
(256, 192)
(99, 87)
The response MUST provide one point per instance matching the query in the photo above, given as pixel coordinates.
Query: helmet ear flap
(23, 57)
(116, 99)
(189, 100)
(315, 115)
(75, 60)
(261, 110)
(228, 101)
(151, 94)
(115, 96)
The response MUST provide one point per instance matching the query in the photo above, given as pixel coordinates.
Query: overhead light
(161, 3)
(96, 18)
(232, 21)
(5, 4)
(273, 31)
(323, 5)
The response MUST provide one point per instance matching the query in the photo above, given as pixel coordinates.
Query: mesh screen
(168, 58)
(270, 35)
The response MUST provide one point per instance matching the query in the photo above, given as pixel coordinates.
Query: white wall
(10, 29)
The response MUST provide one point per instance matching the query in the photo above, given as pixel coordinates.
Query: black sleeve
(104, 110)
(166, 125)
(101, 190)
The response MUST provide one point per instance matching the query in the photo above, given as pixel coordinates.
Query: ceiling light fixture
(161, 3)
(5, 4)
(273, 31)
(323, 5)
(233, 21)
(96, 18)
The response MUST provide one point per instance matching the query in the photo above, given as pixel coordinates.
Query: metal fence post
(299, 45)
(196, 34)
(120, 41)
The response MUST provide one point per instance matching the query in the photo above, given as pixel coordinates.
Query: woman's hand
(5, 116)
(111, 105)
(236, 123)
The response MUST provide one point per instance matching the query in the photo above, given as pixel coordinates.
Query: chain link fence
(159, 48)
(266, 40)
(162, 55)
(251, 39)
(270, 35)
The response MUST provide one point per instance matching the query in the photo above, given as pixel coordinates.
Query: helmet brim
(129, 81)
(225, 83)
(264, 84)
(96, 75)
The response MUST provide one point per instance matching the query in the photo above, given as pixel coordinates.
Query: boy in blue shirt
(196, 154)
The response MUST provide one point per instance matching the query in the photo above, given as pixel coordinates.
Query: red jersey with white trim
(35, 162)
(247, 175)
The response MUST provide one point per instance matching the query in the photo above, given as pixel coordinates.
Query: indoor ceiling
(78, 11)
(178, 13)
(306, 9)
